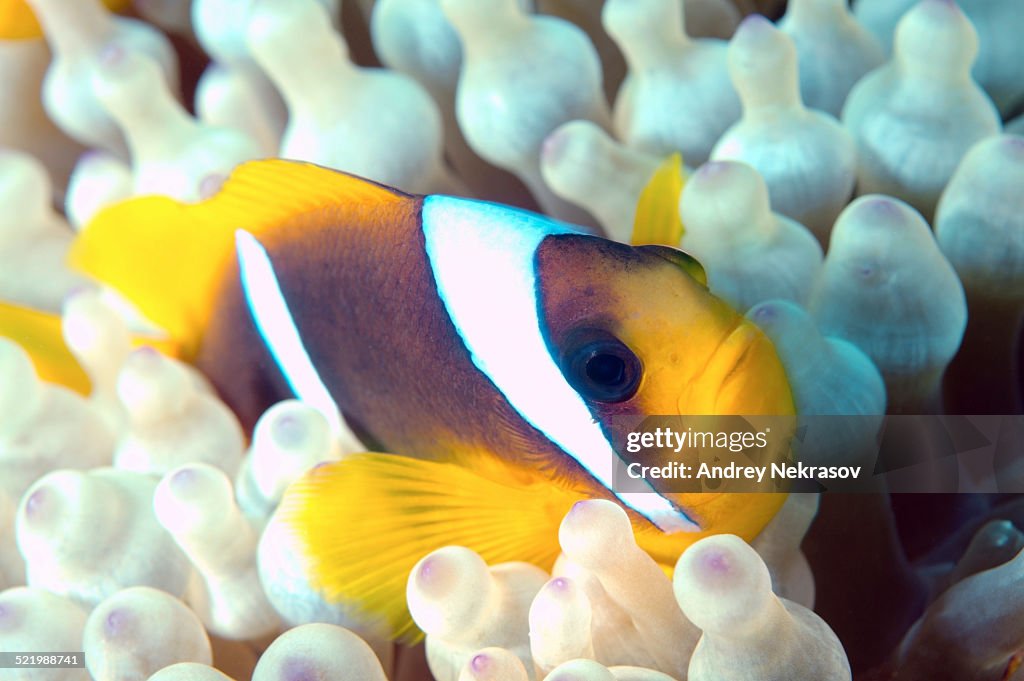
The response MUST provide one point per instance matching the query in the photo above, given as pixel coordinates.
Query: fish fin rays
(168, 257)
(657, 218)
(365, 521)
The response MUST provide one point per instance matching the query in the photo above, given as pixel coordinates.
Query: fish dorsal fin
(657, 212)
(167, 257)
(365, 521)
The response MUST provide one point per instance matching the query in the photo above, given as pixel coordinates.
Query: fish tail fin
(657, 218)
(39, 333)
(365, 521)
(168, 257)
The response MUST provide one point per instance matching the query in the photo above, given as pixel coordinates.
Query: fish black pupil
(606, 369)
(601, 367)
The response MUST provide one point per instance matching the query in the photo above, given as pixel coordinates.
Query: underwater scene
(511, 340)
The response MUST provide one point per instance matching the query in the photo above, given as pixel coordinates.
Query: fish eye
(601, 367)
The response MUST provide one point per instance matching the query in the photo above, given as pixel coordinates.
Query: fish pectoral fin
(364, 522)
(657, 218)
(39, 334)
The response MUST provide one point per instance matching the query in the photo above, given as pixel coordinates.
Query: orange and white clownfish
(482, 349)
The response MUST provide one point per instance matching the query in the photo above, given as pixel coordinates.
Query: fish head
(636, 331)
(637, 334)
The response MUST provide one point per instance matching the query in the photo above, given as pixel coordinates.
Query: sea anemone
(140, 523)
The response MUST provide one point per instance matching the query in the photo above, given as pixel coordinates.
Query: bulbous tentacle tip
(759, 46)
(755, 22)
(936, 30)
(142, 628)
(580, 670)
(34, 618)
(1012, 145)
(318, 651)
(782, 320)
(114, 56)
(595, 528)
(719, 564)
(725, 194)
(437, 575)
(152, 386)
(493, 664)
(190, 671)
(448, 591)
(556, 145)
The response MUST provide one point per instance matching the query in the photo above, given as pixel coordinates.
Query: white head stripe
(277, 327)
(482, 257)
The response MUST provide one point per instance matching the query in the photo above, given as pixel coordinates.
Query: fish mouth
(742, 376)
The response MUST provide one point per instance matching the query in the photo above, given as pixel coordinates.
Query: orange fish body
(487, 350)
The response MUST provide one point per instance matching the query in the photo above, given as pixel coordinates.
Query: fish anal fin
(365, 521)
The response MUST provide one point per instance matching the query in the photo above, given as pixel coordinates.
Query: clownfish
(480, 352)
